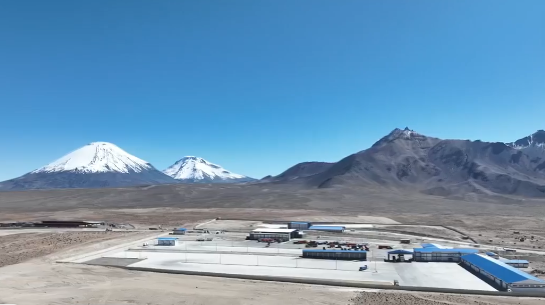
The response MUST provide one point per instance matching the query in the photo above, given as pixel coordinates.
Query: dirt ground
(16, 248)
(426, 231)
(417, 298)
(43, 281)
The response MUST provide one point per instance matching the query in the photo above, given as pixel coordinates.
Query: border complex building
(69, 224)
(517, 263)
(282, 234)
(335, 254)
(299, 225)
(440, 255)
(501, 275)
(167, 241)
(179, 231)
(337, 229)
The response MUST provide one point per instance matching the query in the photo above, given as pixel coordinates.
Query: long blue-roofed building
(337, 229)
(335, 254)
(299, 225)
(440, 255)
(501, 275)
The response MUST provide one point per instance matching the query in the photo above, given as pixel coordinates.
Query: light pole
(373, 257)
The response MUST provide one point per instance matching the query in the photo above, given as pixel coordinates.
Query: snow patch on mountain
(536, 139)
(97, 157)
(197, 169)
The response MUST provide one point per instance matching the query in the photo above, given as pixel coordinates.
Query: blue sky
(258, 86)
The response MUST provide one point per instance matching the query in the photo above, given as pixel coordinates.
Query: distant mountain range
(102, 164)
(403, 160)
(407, 160)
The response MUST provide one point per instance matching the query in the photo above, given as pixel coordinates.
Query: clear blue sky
(258, 86)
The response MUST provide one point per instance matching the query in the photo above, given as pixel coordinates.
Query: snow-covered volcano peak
(195, 169)
(97, 157)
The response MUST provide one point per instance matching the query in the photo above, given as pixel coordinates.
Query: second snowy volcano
(197, 170)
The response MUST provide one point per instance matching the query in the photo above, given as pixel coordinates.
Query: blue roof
(400, 251)
(500, 270)
(491, 254)
(180, 229)
(327, 228)
(332, 251)
(516, 261)
(459, 250)
(167, 238)
(429, 246)
(300, 222)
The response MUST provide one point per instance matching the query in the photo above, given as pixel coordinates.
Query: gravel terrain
(416, 298)
(16, 248)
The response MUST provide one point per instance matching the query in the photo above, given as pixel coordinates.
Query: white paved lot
(441, 275)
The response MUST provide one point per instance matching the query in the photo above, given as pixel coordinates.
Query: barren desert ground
(30, 274)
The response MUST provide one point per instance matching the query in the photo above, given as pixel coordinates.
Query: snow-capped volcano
(97, 157)
(97, 164)
(195, 169)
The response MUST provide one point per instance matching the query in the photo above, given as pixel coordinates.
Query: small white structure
(167, 241)
(281, 234)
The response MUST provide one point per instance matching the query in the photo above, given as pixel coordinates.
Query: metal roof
(429, 246)
(333, 251)
(515, 261)
(300, 222)
(180, 229)
(167, 238)
(400, 251)
(327, 228)
(491, 254)
(459, 250)
(266, 230)
(500, 270)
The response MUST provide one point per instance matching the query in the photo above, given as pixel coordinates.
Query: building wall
(436, 257)
(518, 265)
(345, 255)
(299, 226)
(256, 236)
(166, 242)
(178, 232)
(527, 289)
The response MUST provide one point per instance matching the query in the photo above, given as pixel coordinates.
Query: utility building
(167, 241)
(335, 254)
(299, 225)
(500, 275)
(440, 255)
(337, 229)
(179, 231)
(281, 234)
(517, 263)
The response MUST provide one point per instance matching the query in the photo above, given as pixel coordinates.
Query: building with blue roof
(299, 225)
(429, 246)
(167, 241)
(400, 255)
(440, 255)
(335, 254)
(501, 275)
(517, 263)
(179, 231)
(337, 229)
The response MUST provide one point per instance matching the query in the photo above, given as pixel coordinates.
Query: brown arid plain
(30, 272)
